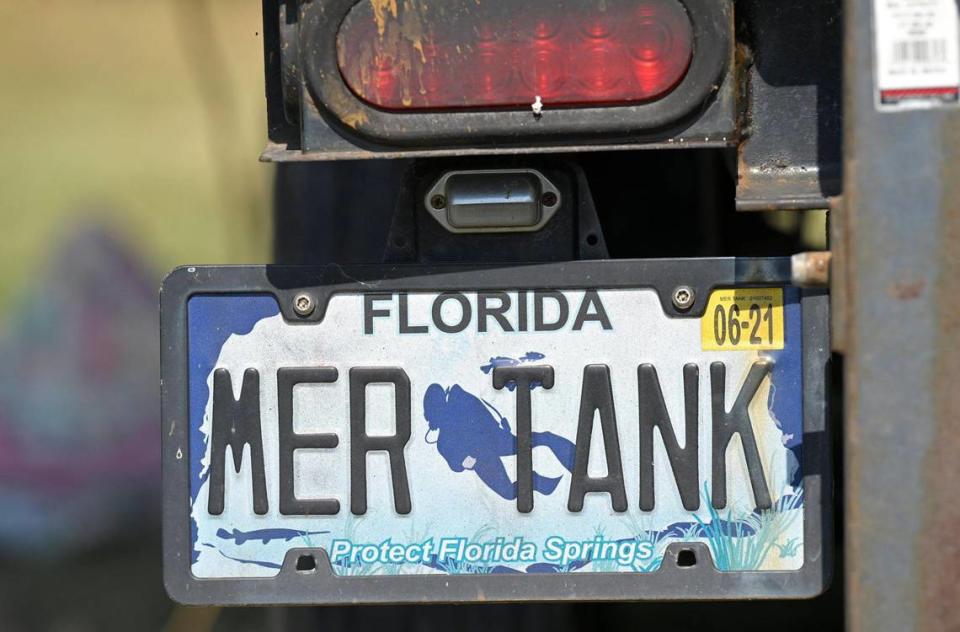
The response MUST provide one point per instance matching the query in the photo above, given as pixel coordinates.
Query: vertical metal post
(897, 239)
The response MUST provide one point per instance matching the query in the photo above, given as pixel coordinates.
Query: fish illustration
(530, 356)
(264, 535)
(254, 562)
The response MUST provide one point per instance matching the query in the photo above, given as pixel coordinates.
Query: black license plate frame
(673, 581)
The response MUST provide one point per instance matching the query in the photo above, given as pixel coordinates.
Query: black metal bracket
(573, 233)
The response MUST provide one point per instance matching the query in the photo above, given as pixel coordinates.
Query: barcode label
(920, 51)
(917, 50)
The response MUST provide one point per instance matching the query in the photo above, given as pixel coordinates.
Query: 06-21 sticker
(743, 319)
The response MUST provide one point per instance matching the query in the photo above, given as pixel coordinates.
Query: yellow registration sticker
(743, 319)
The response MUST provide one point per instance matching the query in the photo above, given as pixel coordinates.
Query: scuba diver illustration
(473, 435)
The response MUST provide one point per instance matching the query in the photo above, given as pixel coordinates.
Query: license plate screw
(683, 298)
(303, 305)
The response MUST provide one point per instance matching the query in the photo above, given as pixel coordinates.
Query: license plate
(549, 432)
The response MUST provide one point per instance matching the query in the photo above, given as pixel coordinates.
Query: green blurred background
(148, 114)
(139, 122)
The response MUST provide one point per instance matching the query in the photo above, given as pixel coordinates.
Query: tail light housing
(454, 73)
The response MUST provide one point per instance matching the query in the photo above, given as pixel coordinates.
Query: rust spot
(400, 34)
(355, 119)
(907, 290)
(380, 10)
(811, 269)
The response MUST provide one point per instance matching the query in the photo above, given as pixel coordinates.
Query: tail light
(452, 54)
(430, 75)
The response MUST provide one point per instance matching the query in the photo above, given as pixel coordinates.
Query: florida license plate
(563, 431)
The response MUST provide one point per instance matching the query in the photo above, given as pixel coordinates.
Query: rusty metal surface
(899, 232)
(277, 152)
(838, 274)
(810, 269)
(790, 58)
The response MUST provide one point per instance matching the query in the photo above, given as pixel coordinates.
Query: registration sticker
(917, 53)
(743, 319)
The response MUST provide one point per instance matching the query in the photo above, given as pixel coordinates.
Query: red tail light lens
(448, 54)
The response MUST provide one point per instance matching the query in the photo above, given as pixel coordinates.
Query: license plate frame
(671, 582)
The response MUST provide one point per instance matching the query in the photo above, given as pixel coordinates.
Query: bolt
(438, 202)
(549, 199)
(683, 298)
(303, 305)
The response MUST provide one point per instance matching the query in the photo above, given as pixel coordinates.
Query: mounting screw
(549, 199)
(438, 202)
(683, 298)
(303, 305)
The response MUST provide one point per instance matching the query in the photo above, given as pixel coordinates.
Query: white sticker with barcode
(917, 53)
